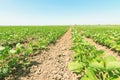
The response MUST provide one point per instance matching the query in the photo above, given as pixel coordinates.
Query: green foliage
(76, 66)
(96, 67)
(18, 43)
(104, 35)
(89, 74)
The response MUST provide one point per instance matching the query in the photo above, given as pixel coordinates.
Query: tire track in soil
(53, 63)
(104, 48)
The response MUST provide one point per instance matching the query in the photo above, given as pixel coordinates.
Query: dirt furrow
(104, 48)
(52, 64)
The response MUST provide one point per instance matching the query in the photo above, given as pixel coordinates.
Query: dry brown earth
(104, 48)
(52, 64)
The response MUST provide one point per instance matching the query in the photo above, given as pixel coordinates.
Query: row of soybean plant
(105, 35)
(90, 63)
(36, 38)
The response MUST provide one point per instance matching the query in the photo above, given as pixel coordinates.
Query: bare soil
(51, 64)
(104, 48)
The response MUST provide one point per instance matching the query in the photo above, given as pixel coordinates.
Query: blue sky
(59, 12)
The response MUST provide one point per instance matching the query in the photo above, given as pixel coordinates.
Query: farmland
(91, 62)
(60, 52)
(17, 43)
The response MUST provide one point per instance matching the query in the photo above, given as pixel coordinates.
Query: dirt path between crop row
(52, 64)
(104, 48)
